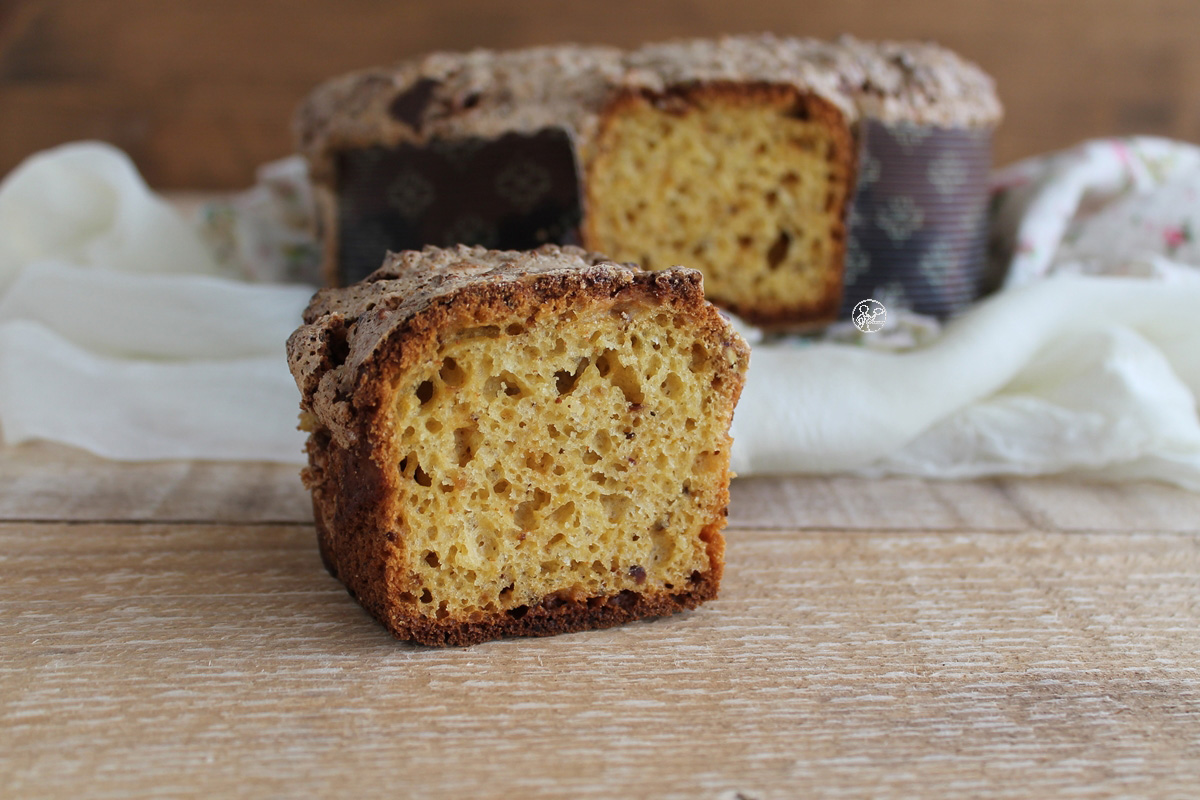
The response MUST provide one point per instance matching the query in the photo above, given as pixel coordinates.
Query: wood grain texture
(221, 661)
(45, 482)
(1033, 640)
(201, 91)
(50, 482)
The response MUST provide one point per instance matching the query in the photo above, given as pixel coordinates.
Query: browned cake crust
(486, 93)
(354, 337)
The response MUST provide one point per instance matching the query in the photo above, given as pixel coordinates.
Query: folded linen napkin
(122, 334)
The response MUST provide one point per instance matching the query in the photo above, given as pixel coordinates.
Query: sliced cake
(520, 443)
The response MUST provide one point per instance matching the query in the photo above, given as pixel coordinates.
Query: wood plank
(1075, 505)
(46, 481)
(222, 661)
(201, 91)
(851, 503)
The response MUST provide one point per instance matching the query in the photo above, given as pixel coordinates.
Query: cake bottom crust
(554, 615)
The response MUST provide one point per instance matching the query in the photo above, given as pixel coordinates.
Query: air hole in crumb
(565, 381)
(563, 514)
(539, 462)
(425, 391)
(624, 378)
(501, 487)
(790, 179)
(432, 425)
(426, 596)
(515, 329)
(504, 382)
(518, 612)
(431, 559)
(779, 250)
(451, 373)
(525, 514)
(466, 444)
(421, 477)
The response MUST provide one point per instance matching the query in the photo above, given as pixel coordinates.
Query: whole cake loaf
(734, 156)
(518, 443)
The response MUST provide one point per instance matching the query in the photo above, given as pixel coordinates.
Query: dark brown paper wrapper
(516, 192)
(918, 224)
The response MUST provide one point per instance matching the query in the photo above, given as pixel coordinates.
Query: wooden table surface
(168, 630)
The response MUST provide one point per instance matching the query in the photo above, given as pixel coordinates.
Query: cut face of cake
(518, 443)
(746, 182)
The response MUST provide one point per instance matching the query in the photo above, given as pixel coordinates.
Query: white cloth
(1097, 375)
(1059, 372)
(117, 333)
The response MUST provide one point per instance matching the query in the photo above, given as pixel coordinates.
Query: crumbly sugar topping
(487, 93)
(345, 327)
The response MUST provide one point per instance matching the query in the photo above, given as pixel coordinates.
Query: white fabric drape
(120, 334)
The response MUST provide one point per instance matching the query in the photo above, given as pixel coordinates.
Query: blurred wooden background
(201, 91)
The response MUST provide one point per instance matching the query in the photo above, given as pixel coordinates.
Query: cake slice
(518, 443)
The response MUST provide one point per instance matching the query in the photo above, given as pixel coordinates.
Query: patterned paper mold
(918, 226)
